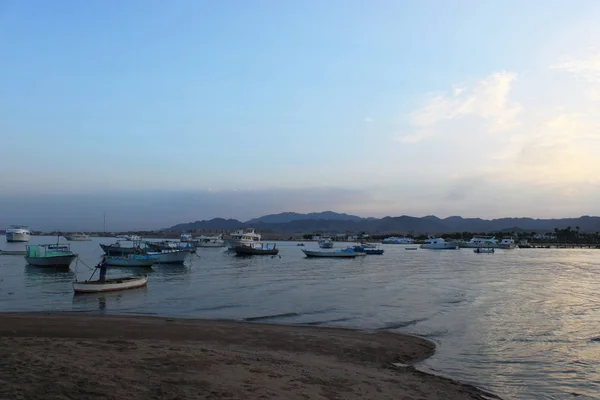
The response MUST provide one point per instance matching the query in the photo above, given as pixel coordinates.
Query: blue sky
(429, 107)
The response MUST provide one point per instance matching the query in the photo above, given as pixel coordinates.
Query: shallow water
(523, 323)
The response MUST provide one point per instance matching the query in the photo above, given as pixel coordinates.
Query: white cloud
(587, 69)
(488, 100)
(415, 137)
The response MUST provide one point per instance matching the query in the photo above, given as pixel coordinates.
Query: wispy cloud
(488, 100)
(585, 69)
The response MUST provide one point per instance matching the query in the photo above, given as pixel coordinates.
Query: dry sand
(83, 356)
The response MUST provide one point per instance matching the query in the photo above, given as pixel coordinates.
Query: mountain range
(332, 222)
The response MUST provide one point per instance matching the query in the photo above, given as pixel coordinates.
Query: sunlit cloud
(585, 69)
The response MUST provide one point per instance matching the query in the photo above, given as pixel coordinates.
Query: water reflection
(109, 301)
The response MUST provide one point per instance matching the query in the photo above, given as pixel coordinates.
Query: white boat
(481, 241)
(368, 245)
(170, 256)
(397, 240)
(186, 237)
(243, 237)
(439, 244)
(131, 260)
(50, 255)
(345, 253)
(507, 243)
(132, 238)
(109, 285)
(77, 237)
(326, 243)
(17, 233)
(210, 241)
(481, 250)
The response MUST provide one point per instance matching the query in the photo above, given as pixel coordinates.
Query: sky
(157, 113)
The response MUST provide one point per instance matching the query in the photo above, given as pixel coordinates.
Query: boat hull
(233, 243)
(77, 238)
(170, 257)
(130, 262)
(110, 285)
(249, 251)
(329, 254)
(17, 237)
(374, 251)
(445, 246)
(52, 262)
(111, 249)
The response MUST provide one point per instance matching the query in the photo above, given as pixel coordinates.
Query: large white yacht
(244, 237)
(17, 233)
(326, 243)
(210, 241)
(481, 241)
(398, 240)
(439, 244)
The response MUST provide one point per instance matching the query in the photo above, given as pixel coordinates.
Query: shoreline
(71, 355)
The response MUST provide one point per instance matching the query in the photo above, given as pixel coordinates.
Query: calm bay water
(523, 323)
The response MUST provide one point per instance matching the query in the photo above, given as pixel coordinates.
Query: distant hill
(285, 217)
(331, 222)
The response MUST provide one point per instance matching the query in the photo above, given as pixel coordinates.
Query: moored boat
(170, 256)
(326, 243)
(243, 237)
(77, 237)
(397, 240)
(265, 249)
(210, 241)
(131, 260)
(108, 285)
(50, 255)
(483, 250)
(481, 241)
(118, 249)
(17, 233)
(439, 244)
(343, 253)
(359, 250)
(507, 243)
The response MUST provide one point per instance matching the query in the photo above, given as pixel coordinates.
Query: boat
(50, 255)
(439, 244)
(483, 250)
(368, 245)
(108, 285)
(17, 233)
(359, 250)
(169, 245)
(118, 249)
(131, 260)
(243, 237)
(523, 244)
(170, 256)
(481, 241)
(265, 249)
(343, 253)
(411, 248)
(186, 237)
(326, 243)
(300, 244)
(77, 237)
(398, 240)
(210, 241)
(507, 243)
(372, 251)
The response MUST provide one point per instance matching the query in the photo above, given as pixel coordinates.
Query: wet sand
(77, 356)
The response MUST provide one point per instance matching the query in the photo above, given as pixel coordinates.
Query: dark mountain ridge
(332, 222)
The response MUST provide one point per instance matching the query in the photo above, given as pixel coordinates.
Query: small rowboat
(109, 285)
(481, 250)
(373, 251)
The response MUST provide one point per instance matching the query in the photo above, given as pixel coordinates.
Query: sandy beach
(76, 356)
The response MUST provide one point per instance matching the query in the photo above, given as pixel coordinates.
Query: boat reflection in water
(110, 301)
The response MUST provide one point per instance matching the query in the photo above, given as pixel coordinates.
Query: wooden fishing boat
(50, 255)
(170, 256)
(264, 249)
(108, 285)
(131, 260)
(345, 253)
